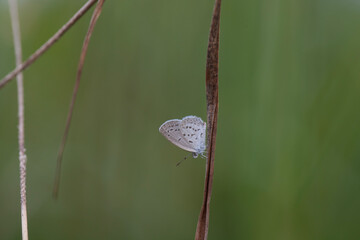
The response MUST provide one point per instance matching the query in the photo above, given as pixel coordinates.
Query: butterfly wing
(172, 132)
(193, 130)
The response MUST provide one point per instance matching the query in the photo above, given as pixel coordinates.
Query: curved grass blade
(93, 21)
(21, 67)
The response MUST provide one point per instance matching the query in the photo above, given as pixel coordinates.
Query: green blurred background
(287, 158)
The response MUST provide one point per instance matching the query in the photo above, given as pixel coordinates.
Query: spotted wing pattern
(193, 130)
(171, 131)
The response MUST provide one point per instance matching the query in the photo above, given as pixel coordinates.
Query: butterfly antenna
(180, 162)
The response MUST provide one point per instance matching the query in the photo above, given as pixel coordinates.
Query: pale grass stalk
(20, 92)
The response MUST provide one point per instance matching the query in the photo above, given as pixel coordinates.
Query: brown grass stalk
(93, 21)
(15, 23)
(47, 44)
(212, 100)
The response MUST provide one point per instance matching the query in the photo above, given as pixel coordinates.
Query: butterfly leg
(203, 155)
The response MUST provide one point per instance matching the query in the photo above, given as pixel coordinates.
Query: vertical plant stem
(212, 100)
(20, 92)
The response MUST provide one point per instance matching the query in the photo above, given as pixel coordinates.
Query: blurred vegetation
(287, 161)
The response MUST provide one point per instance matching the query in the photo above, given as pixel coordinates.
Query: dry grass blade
(212, 99)
(47, 44)
(93, 21)
(15, 22)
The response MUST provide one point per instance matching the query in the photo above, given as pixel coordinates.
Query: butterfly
(188, 134)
